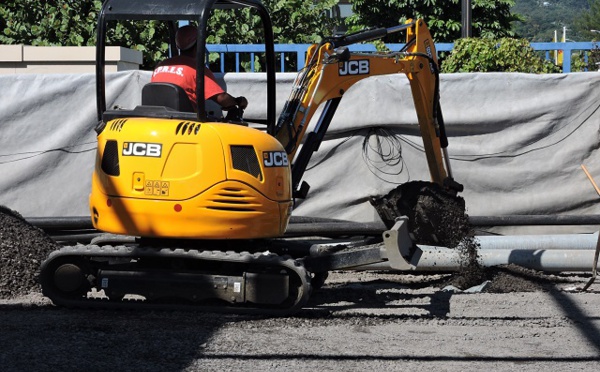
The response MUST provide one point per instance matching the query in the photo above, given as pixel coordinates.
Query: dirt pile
(471, 273)
(513, 278)
(23, 247)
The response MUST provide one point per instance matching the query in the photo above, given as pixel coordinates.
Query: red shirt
(181, 70)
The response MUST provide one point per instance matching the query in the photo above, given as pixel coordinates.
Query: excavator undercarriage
(175, 278)
(272, 276)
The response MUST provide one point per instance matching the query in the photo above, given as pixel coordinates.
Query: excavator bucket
(435, 216)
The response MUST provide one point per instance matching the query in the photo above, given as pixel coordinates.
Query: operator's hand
(242, 102)
(235, 114)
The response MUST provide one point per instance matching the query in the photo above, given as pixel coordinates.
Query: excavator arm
(331, 69)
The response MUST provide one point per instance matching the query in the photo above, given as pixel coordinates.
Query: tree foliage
(589, 20)
(540, 19)
(491, 18)
(73, 23)
(501, 55)
(294, 21)
(48, 23)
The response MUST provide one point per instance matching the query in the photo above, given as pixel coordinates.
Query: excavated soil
(436, 217)
(22, 249)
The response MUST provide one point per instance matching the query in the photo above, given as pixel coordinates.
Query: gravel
(22, 249)
(358, 321)
(525, 321)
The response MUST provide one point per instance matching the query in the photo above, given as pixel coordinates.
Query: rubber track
(122, 251)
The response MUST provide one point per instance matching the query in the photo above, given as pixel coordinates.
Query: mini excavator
(203, 202)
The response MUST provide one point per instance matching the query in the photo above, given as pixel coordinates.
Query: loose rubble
(23, 247)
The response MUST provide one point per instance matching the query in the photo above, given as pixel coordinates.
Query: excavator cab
(165, 171)
(174, 11)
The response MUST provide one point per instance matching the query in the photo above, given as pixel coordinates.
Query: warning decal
(156, 188)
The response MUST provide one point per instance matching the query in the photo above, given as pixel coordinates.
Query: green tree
(294, 21)
(540, 19)
(48, 23)
(589, 20)
(491, 18)
(73, 23)
(501, 55)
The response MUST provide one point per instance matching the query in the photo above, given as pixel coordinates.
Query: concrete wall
(24, 59)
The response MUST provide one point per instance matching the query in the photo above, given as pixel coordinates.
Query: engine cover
(185, 179)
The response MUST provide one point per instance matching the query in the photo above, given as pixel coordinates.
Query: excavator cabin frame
(174, 11)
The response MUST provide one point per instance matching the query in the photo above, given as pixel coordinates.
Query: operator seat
(166, 94)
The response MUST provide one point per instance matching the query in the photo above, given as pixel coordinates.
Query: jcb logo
(430, 54)
(356, 67)
(142, 149)
(275, 159)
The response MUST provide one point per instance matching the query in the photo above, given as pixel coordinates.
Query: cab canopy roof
(171, 10)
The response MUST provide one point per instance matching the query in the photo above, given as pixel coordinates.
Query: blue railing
(290, 57)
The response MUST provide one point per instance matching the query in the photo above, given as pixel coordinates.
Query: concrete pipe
(569, 242)
(428, 258)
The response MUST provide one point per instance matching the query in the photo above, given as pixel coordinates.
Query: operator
(181, 70)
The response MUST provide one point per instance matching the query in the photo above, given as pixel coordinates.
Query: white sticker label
(153, 150)
(104, 283)
(354, 67)
(237, 287)
(275, 159)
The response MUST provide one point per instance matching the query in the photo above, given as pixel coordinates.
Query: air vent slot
(233, 200)
(110, 158)
(232, 208)
(187, 128)
(117, 125)
(244, 159)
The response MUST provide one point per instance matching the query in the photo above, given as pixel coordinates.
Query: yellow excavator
(203, 202)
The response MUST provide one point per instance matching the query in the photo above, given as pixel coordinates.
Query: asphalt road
(357, 322)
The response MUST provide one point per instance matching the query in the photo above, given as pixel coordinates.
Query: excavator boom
(331, 69)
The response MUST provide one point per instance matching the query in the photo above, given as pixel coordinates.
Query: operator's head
(185, 38)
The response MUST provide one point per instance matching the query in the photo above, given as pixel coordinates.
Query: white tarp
(517, 141)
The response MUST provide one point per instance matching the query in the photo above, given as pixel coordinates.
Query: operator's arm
(216, 93)
(227, 101)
